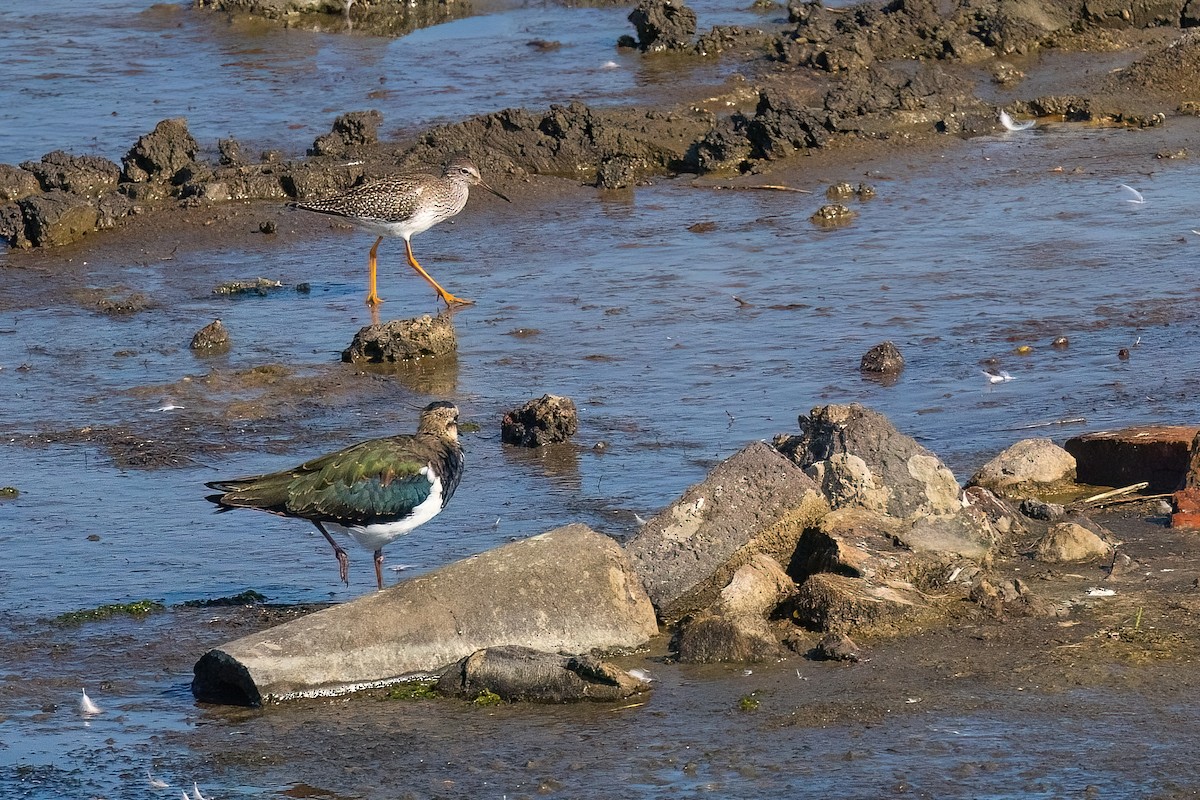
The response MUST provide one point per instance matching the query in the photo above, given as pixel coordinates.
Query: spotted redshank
(405, 205)
(373, 491)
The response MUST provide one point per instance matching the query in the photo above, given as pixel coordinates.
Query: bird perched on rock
(373, 491)
(405, 205)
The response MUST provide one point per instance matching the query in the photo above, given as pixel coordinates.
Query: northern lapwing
(373, 491)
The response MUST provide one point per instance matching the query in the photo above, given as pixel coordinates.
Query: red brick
(1186, 519)
(1187, 499)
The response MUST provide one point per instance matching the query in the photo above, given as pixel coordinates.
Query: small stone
(832, 215)
(402, 340)
(840, 191)
(837, 647)
(212, 338)
(546, 420)
(1038, 509)
(883, 358)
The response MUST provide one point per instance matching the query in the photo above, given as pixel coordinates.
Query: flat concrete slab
(569, 590)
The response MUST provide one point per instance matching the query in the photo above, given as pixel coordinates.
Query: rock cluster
(844, 532)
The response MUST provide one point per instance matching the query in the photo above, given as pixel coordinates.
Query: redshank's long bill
(405, 205)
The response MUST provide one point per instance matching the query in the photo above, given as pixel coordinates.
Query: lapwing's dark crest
(373, 491)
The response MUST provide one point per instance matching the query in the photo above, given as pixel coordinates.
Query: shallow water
(609, 299)
(92, 77)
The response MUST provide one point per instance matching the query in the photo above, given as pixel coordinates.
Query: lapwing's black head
(439, 418)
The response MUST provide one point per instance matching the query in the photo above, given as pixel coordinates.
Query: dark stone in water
(212, 338)
(547, 420)
(402, 340)
(883, 358)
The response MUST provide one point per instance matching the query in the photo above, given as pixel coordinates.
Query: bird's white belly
(375, 536)
(419, 222)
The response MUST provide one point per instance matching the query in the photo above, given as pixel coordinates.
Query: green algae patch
(412, 691)
(487, 698)
(138, 608)
(246, 598)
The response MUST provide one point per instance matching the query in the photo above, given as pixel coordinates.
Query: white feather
(87, 707)
(1132, 195)
(1012, 125)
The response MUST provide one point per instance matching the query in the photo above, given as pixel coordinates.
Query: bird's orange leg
(372, 296)
(450, 299)
(379, 568)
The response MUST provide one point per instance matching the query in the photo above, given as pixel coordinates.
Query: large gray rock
(570, 590)
(859, 458)
(515, 673)
(755, 502)
(1030, 465)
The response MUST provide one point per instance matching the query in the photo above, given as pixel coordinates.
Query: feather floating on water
(87, 707)
(1132, 194)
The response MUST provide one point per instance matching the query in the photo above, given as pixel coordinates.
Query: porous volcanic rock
(162, 155)
(402, 340)
(548, 419)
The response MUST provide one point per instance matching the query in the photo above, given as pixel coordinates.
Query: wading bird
(405, 205)
(373, 491)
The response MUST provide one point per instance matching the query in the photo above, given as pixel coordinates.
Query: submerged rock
(515, 673)
(884, 358)
(212, 338)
